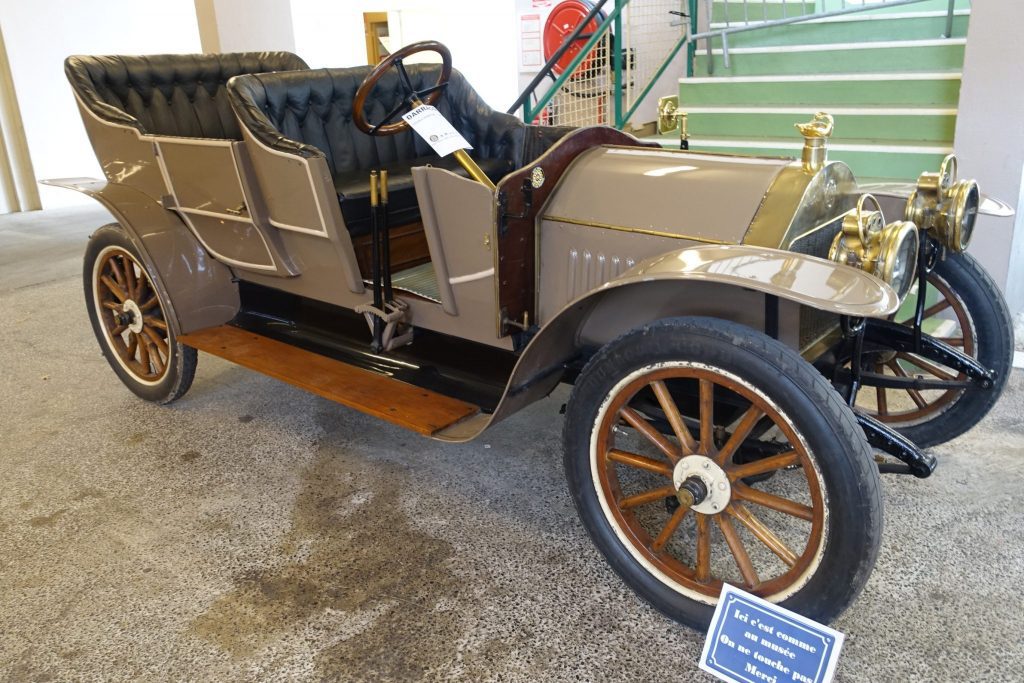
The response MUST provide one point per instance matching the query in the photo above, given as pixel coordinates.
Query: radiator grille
(818, 242)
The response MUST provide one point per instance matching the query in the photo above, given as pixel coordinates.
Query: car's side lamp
(886, 251)
(816, 133)
(945, 206)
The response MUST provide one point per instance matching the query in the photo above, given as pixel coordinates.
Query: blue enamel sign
(754, 641)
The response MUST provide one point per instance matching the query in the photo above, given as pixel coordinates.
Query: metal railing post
(618, 67)
(691, 46)
(708, 4)
(949, 19)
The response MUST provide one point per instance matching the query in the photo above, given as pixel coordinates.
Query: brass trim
(466, 161)
(639, 231)
(473, 169)
(779, 205)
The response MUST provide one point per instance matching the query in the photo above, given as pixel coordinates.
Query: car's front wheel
(965, 309)
(667, 430)
(128, 317)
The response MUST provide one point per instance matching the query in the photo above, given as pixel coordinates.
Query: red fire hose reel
(562, 21)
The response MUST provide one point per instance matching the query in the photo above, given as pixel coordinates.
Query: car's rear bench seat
(176, 95)
(309, 113)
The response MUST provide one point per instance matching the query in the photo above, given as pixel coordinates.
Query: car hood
(708, 197)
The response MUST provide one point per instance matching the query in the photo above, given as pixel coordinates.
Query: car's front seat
(310, 113)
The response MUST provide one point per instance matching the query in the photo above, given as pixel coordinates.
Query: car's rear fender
(733, 282)
(199, 291)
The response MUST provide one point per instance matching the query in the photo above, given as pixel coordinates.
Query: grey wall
(990, 136)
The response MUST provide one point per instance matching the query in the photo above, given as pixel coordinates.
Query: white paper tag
(430, 125)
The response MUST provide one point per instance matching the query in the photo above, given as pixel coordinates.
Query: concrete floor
(255, 532)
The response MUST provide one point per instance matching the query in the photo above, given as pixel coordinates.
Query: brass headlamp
(945, 206)
(886, 251)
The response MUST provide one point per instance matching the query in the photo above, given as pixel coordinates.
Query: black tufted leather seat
(179, 95)
(310, 113)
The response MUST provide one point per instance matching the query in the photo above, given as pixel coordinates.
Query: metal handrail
(724, 33)
(689, 39)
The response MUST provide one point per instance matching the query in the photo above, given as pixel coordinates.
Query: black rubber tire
(182, 367)
(993, 329)
(850, 479)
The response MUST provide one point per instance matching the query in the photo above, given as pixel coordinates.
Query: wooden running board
(405, 405)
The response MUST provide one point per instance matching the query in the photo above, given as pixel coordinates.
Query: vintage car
(742, 334)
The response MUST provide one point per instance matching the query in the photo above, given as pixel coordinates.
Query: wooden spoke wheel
(964, 309)
(130, 314)
(668, 434)
(637, 476)
(130, 322)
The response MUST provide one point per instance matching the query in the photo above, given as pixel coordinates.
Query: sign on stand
(753, 641)
(434, 128)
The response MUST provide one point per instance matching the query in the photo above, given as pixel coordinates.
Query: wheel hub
(131, 316)
(696, 474)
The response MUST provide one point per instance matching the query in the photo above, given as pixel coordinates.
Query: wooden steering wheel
(413, 98)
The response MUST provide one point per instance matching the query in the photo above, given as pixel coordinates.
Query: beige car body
(629, 234)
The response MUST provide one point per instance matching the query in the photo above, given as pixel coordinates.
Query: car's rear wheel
(658, 438)
(965, 309)
(128, 317)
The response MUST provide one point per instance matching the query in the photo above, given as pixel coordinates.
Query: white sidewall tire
(841, 458)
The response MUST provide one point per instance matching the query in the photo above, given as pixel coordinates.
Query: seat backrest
(179, 95)
(310, 112)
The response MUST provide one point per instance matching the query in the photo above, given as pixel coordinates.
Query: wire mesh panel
(585, 98)
(651, 30)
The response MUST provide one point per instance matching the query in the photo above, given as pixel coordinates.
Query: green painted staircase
(887, 75)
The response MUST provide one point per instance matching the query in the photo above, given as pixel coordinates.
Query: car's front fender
(733, 282)
(807, 280)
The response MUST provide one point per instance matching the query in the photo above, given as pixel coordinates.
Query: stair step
(920, 124)
(896, 90)
(848, 57)
(868, 159)
(738, 11)
(405, 405)
(851, 28)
